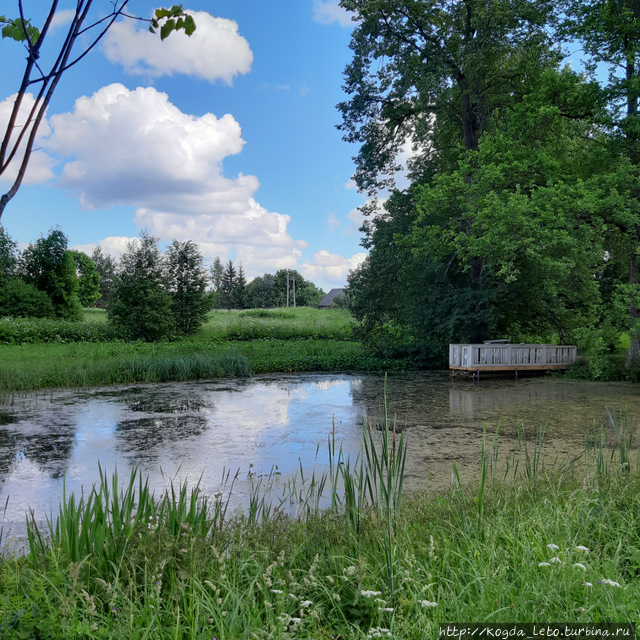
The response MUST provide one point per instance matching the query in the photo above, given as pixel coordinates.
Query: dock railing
(506, 357)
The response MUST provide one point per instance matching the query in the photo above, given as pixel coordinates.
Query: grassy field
(52, 354)
(543, 547)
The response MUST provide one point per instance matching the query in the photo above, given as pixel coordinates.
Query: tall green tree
(140, 305)
(434, 76)
(106, 266)
(88, 279)
(228, 284)
(217, 272)
(239, 290)
(50, 267)
(8, 255)
(187, 281)
(609, 31)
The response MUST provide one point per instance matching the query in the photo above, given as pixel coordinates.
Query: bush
(17, 298)
(33, 330)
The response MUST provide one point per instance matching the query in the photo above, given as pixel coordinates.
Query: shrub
(17, 298)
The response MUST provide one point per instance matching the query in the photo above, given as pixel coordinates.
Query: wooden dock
(502, 356)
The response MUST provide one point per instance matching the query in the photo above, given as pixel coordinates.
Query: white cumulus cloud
(329, 11)
(215, 51)
(331, 269)
(136, 148)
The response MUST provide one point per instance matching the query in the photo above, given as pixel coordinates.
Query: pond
(197, 431)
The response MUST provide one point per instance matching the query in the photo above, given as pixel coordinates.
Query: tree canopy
(520, 215)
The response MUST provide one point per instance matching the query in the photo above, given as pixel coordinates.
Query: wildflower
(426, 603)
(556, 560)
(378, 632)
(553, 547)
(587, 584)
(370, 594)
(349, 570)
(277, 591)
(579, 565)
(292, 596)
(336, 597)
(306, 603)
(544, 564)
(611, 583)
(581, 547)
(389, 609)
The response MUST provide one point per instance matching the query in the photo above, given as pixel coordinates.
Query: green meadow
(39, 354)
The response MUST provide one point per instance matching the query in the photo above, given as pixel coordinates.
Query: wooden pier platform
(502, 356)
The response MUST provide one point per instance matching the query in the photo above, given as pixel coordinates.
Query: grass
(230, 344)
(547, 545)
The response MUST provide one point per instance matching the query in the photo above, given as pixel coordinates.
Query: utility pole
(294, 291)
(287, 287)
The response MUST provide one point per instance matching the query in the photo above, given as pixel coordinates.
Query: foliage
(18, 298)
(50, 267)
(88, 279)
(140, 305)
(187, 281)
(106, 268)
(228, 284)
(8, 251)
(217, 271)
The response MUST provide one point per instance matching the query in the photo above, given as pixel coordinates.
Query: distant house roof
(327, 301)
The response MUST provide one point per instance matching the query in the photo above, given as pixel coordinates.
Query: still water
(195, 431)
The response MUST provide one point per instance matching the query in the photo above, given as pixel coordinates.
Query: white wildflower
(587, 584)
(553, 547)
(426, 603)
(277, 591)
(611, 583)
(292, 596)
(370, 594)
(306, 603)
(388, 609)
(582, 548)
(349, 570)
(544, 564)
(579, 565)
(556, 560)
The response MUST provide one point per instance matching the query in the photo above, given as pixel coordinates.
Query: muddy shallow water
(194, 431)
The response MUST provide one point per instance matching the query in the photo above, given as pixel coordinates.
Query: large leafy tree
(434, 76)
(88, 279)
(187, 281)
(49, 266)
(609, 31)
(46, 65)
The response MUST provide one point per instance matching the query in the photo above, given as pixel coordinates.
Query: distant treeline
(148, 294)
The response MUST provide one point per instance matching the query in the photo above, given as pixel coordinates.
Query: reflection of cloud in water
(143, 438)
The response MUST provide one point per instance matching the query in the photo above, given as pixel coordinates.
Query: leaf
(167, 28)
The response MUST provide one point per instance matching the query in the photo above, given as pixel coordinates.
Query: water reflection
(194, 431)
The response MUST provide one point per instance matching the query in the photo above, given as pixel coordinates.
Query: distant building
(327, 301)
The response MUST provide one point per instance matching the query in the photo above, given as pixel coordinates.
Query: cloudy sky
(227, 138)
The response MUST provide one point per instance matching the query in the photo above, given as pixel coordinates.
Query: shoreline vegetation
(536, 543)
(42, 354)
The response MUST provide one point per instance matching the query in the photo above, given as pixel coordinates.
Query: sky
(227, 138)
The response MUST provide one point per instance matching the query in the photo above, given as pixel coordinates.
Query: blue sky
(228, 139)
